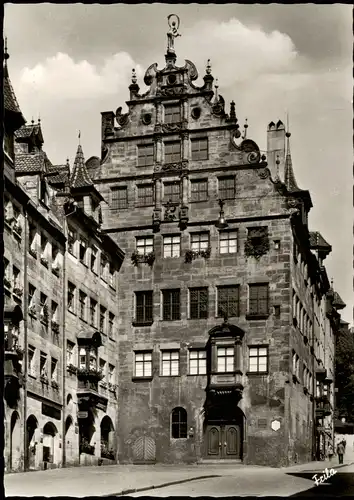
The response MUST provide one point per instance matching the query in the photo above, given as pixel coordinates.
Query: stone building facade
(227, 318)
(60, 294)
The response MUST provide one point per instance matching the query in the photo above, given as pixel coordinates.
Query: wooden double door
(223, 441)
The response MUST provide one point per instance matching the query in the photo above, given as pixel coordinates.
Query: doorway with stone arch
(31, 443)
(108, 448)
(15, 442)
(49, 444)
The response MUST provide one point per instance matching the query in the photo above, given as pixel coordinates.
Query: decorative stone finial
(79, 136)
(245, 127)
(173, 22)
(32, 121)
(232, 111)
(6, 54)
(208, 67)
(134, 77)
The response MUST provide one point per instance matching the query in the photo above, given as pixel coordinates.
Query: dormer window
(43, 192)
(172, 113)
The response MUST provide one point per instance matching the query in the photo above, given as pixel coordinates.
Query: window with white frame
(44, 308)
(93, 358)
(82, 250)
(199, 241)
(71, 297)
(111, 274)
(82, 305)
(44, 243)
(103, 313)
(111, 374)
(54, 311)
(170, 363)
(31, 295)
(103, 370)
(54, 369)
(225, 359)
(16, 279)
(197, 362)
(31, 350)
(258, 359)
(103, 265)
(144, 245)
(70, 353)
(82, 358)
(143, 364)
(111, 318)
(172, 246)
(43, 365)
(93, 312)
(228, 241)
(93, 259)
(71, 241)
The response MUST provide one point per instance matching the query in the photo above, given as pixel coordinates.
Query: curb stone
(162, 485)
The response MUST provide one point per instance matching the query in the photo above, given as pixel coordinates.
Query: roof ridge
(80, 176)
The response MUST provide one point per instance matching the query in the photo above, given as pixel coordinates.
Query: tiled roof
(318, 241)
(10, 101)
(27, 130)
(32, 162)
(80, 177)
(338, 302)
(63, 174)
(289, 176)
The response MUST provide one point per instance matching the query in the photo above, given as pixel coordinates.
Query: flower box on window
(55, 384)
(7, 283)
(18, 291)
(32, 311)
(72, 368)
(148, 258)
(32, 252)
(86, 447)
(91, 373)
(107, 452)
(55, 327)
(194, 254)
(44, 261)
(56, 269)
(257, 243)
(17, 228)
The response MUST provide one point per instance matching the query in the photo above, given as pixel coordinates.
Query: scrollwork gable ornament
(122, 119)
(150, 74)
(264, 173)
(248, 147)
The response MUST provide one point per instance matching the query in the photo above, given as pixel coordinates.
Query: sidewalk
(319, 466)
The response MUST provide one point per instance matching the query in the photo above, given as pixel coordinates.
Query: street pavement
(165, 480)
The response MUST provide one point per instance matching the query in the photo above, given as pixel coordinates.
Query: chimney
(276, 147)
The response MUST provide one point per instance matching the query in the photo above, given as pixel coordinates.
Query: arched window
(179, 423)
(82, 358)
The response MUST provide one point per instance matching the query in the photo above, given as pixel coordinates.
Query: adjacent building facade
(166, 303)
(60, 289)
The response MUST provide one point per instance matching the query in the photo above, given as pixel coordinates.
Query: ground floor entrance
(223, 442)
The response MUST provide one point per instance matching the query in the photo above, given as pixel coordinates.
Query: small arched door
(107, 438)
(15, 441)
(49, 433)
(31, 426)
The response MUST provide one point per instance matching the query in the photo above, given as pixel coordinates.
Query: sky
(70, 62)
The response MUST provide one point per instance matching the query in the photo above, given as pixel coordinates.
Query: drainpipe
(25, 340)
(64, 351)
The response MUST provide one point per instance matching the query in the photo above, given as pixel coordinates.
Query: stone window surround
(254, 347)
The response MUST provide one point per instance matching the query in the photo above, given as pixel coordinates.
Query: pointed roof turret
(11, 105)
(289, 176)
(80, 177)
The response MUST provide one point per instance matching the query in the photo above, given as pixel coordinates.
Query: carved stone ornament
(150, 73)
(171, 91)
(294, 203)
(264, 173)
(192, 70)
(146, 118)
(181, 165)
(122, 119)
(170, 212)
(172, 127)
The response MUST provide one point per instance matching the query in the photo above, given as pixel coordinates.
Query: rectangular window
(225, 359)
(32, 237)
(171, 191)
(145, 155)
(93, 358)
(93, 260)
(197, 362)
(82, 358)
(119, 197)
(111, 325)
(143, 364)
(71, 241)
(82, 304)
(55, 253)
(145, 195)
(53, 370)
(258, 300)
(199, 190)
(171, 305)
(16, 277)
(143, 313)
(103, 312)
(111, 374)
(93, 309)
(44, 243)
(199, 241)
(102, 366)
(198, 302)
(30, 359)
(54, 311)
(111, 274)
(227, 188)
(228, 241)
(6, 269)
(69, 353)
(82, 250)
(172, 113)
(43, 364)
(103, 264)
(258, 359)
(31, 295)
(199, 149)
(170, 363)
(71, 297)
(172, 152)
(144, 245)
(172, 246)
(228, 301)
